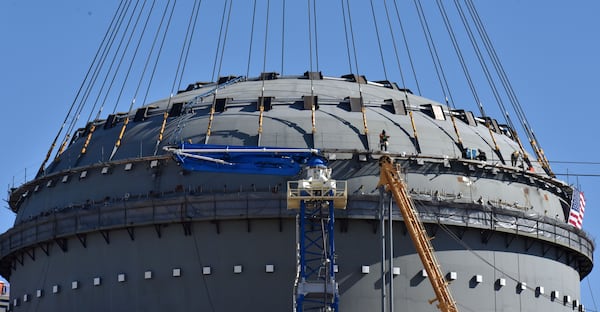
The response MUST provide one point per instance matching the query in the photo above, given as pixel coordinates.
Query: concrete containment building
(127, 227)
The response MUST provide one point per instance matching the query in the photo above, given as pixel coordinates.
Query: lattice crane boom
(391, 180)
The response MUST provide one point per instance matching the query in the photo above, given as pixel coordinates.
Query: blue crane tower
(315, 197)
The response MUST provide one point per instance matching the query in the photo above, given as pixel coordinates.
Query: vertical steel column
(391, 252)
(316, 288)
(331, 257)
(302, 254)
(383, 257)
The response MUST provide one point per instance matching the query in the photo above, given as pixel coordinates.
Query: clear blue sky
(549, 49)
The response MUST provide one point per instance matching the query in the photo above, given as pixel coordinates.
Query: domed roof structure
(125, 218)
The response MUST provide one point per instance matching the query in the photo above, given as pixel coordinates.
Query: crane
(390, 179)
(315, 197)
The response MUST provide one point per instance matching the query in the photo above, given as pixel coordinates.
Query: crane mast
(390, 178)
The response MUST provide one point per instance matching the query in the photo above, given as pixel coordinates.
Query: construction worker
(514, 158)
(383, 141)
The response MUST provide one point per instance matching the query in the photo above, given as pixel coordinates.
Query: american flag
(577, 209)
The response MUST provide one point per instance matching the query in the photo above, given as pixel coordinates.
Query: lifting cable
(115, 26)
(495, 61)
(316, 33)
(486, 72)
(404, 89)
(122, 132)
(185, 50)
(114, 58)
(310, 76)
(346, 36)
(409, 55)
(379, 41)
(435, 59)
(107, 50)
(465, 69)
(251, 39)
(214, 102)
(67, 135)
(262, 90)
(510, 92)
(358, 78)
(282, 34)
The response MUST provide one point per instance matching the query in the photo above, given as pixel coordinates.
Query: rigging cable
(185, 50)
(169, 104)
(465, 69)
(379, 41)
(310, 76)
(85, 79)
(409, 55)
(162, 43)
(126, 121)
(433, 52)
(486, 72)
(282, 34)
(346, 36)
(251, 39)
(358, 77)
(212, 108)
(510, 92)
(316, 34)
(404, 89)
(104, 81)
(115, 26)
(592, 293)
(262, 90)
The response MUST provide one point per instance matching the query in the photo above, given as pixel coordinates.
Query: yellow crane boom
(391, 180)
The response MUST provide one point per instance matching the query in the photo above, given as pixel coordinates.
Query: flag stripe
(577, 209)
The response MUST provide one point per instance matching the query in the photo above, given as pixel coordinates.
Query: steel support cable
(188, 41)
(511, 94)
(378, 40)
(212, 107)
(262, 90)
(316, 34)
(409, 55)
(405, 92)
(100, 65)
(185, 50)
(310, 57)
(222, 54)
(465, 69)
(400, 71)
(108, 50)
(432, 50)
(139, 41)
(486, 72)
(121, 58)
(81, 87)
(107, 42)
(480, 57)
(358, 78)
(458, 51)
(162, 43)
(346, 36)
(494, 58)
(251, 39)
(592, 294)
(282, 34)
